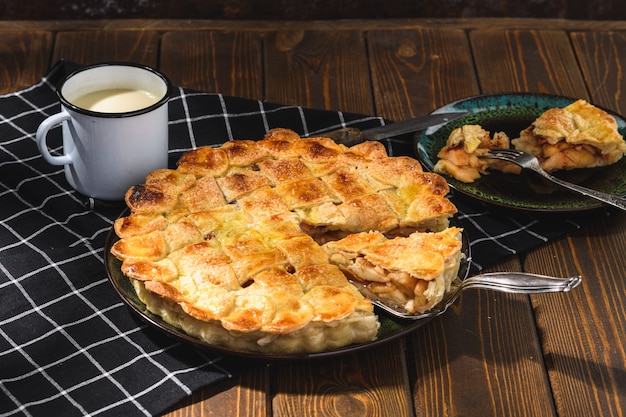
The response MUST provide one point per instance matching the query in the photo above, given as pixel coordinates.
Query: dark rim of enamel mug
(75, 108)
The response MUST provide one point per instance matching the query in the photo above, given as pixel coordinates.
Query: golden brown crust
(416, 282)
(204, 194)
(231, 238)
(579, 135)
(369, 212)
(281, 170)
(263, 203)
(347, 184)
(318, 150)
(151, 247)
(243, 153)
(204, 161)
(364, 151)
(144, 270)
(143, 198)
(239, 184)
(302, 251)
(304, 193)
(139, 224)
(170, 181)
(396, 171)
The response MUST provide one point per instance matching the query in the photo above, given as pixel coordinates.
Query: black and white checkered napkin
(68, 344)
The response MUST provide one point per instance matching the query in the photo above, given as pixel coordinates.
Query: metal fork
(528, 161)
(511, 282)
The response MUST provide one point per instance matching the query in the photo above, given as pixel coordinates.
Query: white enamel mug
(110, 143)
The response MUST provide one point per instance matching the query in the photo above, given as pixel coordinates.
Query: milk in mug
(115, 100)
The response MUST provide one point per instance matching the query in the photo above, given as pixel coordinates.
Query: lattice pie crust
(251, 245)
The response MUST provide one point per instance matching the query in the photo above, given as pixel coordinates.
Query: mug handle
(42, 133)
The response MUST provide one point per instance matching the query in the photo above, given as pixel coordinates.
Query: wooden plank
(416, 71)
(460, 361)
(328, 70)
(89, 47)
(228, 63)
(569, 323)
(24, 58)
(602, 63)
(584, 332)
(302, 10)
(592, 319)
(339, 24)
(526, 61)
(224, 62)
(372, 383)
(319, 69)
(483, 355)
(244, 396)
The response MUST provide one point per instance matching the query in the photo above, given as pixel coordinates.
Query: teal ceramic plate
(390, 328)
(511, 113)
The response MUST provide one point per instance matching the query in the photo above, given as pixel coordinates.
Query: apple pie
(579, 135)
(253, 245)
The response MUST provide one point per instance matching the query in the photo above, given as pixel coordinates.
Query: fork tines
(502, 153)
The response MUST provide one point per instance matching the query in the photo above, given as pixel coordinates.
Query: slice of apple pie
(412, 272)
(246, 245)
(579, 135)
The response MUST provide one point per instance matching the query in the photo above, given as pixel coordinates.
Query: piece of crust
(579, 135)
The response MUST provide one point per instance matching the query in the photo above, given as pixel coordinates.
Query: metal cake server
(511, 282)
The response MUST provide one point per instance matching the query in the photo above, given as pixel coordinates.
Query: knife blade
(350, 136)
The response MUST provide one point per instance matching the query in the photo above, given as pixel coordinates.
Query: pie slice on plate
(579, 135)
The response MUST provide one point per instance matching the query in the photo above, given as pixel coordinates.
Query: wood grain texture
(483, 355)
(89, 47)
(416, 71)
(319, 69)
(583, 332)
(593, 319)
(372, 383)
(329, 70)
(526, 61)
(568, 324)
(306, 10)
(364, 25)
(601, 59)
(243, 396)
(229, 63)
(24, 58)
(419, 71)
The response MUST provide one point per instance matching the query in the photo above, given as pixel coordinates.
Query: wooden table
(493, 354)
